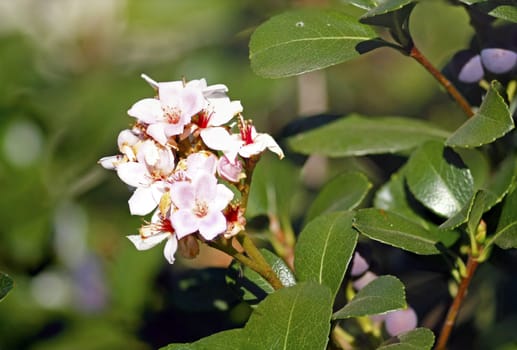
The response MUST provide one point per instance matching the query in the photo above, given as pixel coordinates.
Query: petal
(170, 249)
(148, 110)
(183, 195)
(142, 202)
(205, 185)
(184, 222)
(230, 171)
(110, 162)
(223, 110)
(201, 162)
(126, 138)
(221, 140)
(149, 242)
(260, 143)
(157, 132)
(134, 174)
(192, 101)
(223, 197)
(212, 225)
(169, 93)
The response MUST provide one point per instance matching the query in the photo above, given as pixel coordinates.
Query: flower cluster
(184, 141)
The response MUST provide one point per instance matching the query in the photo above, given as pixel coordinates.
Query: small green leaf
(506, 232)
(439, 179)
(344, 192)
(383, 294)
(475, 205)
(379, 15)
(229, 340)
(297, 317)
(491, 121)
(357, 135)
(305, 40)
(6, 284)
(281, 269)
(325, 248)
(417, 339)
(500, 184)
(397, 231)
(499, 9)
(363, 4)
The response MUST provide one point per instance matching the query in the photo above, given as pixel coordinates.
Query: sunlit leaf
(325, 248)
(344, 192)
(297, 317)
(439, 179)
(304, 40)
(506, 232)
(383, 294)
(357, 135)
(417, 339)
(490, 122)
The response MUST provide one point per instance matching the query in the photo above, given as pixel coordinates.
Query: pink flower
(199, 206)
(230, 171)
(168, 114)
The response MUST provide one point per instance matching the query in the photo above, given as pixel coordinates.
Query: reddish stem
(449, 87)
(472, 265)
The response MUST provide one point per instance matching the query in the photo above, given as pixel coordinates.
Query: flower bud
(498, 60)
(401, 321)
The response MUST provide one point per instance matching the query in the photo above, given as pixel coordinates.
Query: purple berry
(472, 70)
(401, 321)
(498, 61)
(359, 265)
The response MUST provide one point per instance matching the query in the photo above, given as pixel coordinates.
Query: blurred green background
(69, 70)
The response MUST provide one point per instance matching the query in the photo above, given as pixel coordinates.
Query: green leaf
(417, 339)
(297, 317)
(6, 284)
(506, 232)
(439, 179)
(499, 9)
(383, 294)
(397, 231)
(394, 196)
(231, 340)
(344, 192)
(357, 135)
(363, 4)
(491, 121)
(252, 287)
(381, 15)
(485, 198)
(305, 40)
(325, 248)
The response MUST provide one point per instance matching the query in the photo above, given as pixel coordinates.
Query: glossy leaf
(471, 211)
(506, 232)
(251, 286)
(297, 317)
(439, 179)
(357, 135)
(344, 192)
(492, 121)
(500, 184)
(6, 284)
(500, 10)
(395, 197)
(325, 248)
(305, 40)
(417, 339)
(383, 294)
(379, 14)
(397, 231)
(363, 4)
(231, 340)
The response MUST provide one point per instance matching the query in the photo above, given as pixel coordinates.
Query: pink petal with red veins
(212, 225)
(148, 110)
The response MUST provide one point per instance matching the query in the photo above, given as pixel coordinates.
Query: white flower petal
(110, 162)
(192, 101)
(201, 162)
(157, 132)
(149, 242)
(223, 197)
(170, 249)
(142, 202)
(134, 174)
(148, 110)
(183, 195)
(221, 140)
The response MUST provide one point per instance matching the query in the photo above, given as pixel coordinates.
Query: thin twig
(472, 265)
(451, 89)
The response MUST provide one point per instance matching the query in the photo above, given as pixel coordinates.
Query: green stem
(449, 87)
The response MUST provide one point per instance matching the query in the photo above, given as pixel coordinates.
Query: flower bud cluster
(395, 322)
(184, 141)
